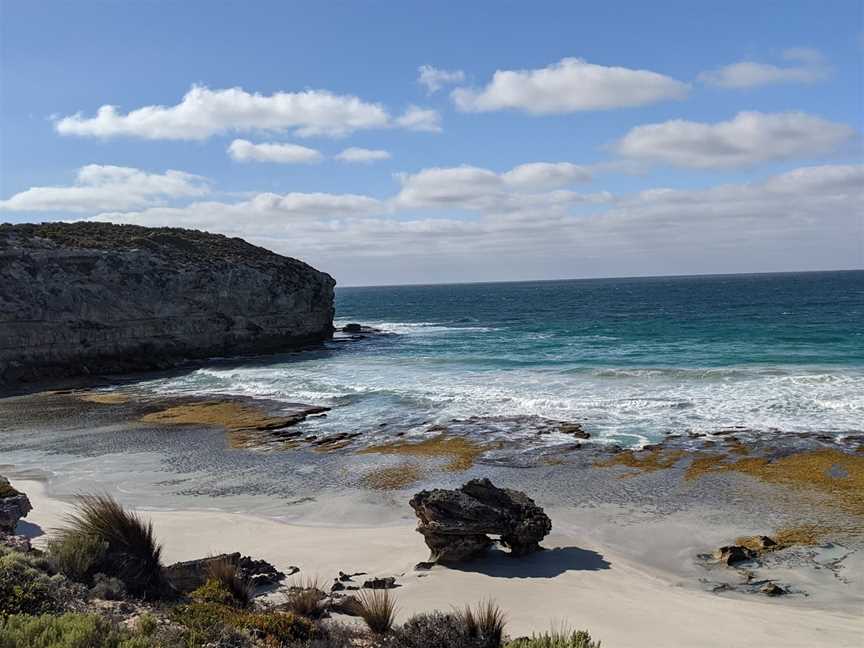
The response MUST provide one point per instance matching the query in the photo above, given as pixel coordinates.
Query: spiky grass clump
(232, 579)
(304, 597)
(485, 623)
(131, 552)
(378, 609)
(557, 639)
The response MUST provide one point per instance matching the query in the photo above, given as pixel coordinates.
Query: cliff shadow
(29, 529)
(543, 564)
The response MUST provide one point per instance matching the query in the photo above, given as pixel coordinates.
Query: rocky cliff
(82, 298)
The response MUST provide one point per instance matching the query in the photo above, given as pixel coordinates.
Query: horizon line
(563, 279)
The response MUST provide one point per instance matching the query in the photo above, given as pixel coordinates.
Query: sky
(403, 142)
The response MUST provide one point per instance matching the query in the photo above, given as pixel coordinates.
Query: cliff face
(85, 298)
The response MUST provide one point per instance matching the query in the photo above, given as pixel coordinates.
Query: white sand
(624, 605)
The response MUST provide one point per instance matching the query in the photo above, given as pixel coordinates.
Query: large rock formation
(81, 298)
(13, 507)
(455, 523)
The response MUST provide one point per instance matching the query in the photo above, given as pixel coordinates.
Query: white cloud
(204, 112)
(362, 155)
(547, 175)
(570, 85)
(420, 119)
(747, 139)
(99, 187)
(811, 67)
(809, 217)
(246, 151)
(435, 79)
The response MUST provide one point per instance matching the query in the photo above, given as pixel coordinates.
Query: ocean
(631, 360)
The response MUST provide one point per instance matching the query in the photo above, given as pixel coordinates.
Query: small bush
(131, 552)
(304, 597)
(25, 588)
(557, 639)
(216, 623)
(213, 591)
(77, 556)
(107, 588)
(435, 630)
(378, 609)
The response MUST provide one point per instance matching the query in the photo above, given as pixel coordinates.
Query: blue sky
(665, 138)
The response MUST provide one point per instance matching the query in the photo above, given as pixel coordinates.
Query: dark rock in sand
(455, 523)
(192, 574)
(388, 582)
(13, 507)
(734, 554)
(85, 298)
(773, 589)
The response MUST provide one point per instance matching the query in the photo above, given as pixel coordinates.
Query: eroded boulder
(192, 574)
(456, 524)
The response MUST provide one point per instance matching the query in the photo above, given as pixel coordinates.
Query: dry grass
(804, 534)
(643, 460)
(392, 477)
(461, 452)
(378, 609)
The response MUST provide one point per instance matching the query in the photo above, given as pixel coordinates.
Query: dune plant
(378, 609)
(229, 575)
(77, 556)
(485, 623)
(27, 588)
(556, 639)
(124, 546)
(304, 597)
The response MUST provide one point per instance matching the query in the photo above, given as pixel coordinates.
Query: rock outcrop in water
(83, 298)
(455, 523)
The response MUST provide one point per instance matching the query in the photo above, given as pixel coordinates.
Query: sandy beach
(578, 581)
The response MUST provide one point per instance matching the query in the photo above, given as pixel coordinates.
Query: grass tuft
(228, 575)
(131, 552)
(304, 597)
(556, 639)
(378, 609)
(485, 623)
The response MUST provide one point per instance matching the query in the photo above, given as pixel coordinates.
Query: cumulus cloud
(99, 187)
(203, 113)
(524, 188)
(245, 151)
(420, 119)
(362, 155)
(435, 79)
(749, 138)
(570, 85)
(809, 66)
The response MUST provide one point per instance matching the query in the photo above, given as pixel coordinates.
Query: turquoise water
(632, 359)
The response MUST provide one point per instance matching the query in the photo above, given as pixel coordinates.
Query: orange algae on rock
(643, 460)
(461, 452)
(392, 477)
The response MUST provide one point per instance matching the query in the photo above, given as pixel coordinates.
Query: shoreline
(580, 580)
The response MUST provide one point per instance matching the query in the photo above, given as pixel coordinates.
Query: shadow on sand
(543, 564)
(29, 529)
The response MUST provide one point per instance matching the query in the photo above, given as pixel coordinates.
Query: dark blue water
(631, 359)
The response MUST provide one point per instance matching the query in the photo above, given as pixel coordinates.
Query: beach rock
(191, 574)
(84, 298)
(13, 506)
(773, 589)
(388, 582)
(574, 429)
(15, 542)
(455, 523)
(352, 328)
(733, 554)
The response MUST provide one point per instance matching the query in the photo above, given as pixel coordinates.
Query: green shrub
(557, 639)
(213, 622)
(25, 588)
(435, 630)
(107, 588)
(304, 598)
(77, 556)
(131, 552)
(213, 591)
